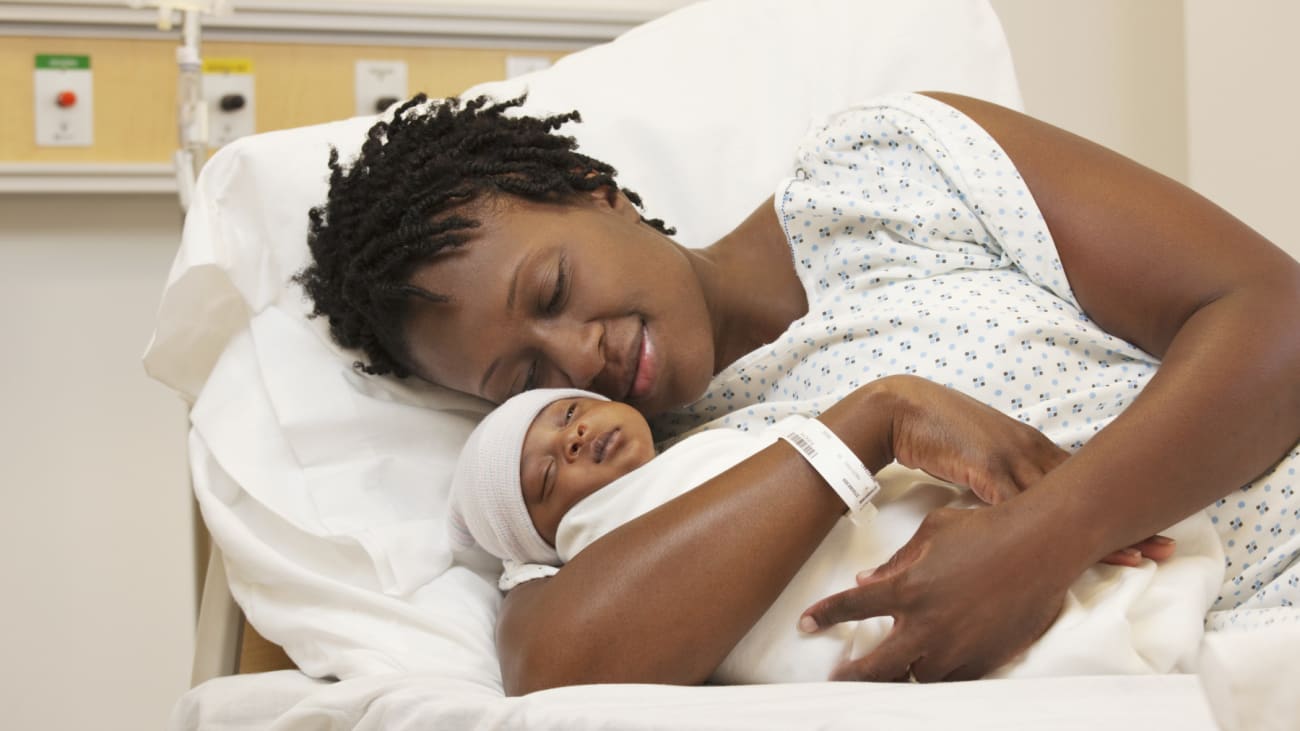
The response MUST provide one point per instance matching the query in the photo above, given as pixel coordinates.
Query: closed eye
(559, 296)
(530, 378)
(561, 286)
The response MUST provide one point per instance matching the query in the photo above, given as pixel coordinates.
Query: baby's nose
(577, 438)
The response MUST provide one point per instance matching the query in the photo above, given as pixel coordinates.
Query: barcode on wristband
(803, 445)
(831, 458)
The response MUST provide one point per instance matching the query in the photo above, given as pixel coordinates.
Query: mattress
(290, 700)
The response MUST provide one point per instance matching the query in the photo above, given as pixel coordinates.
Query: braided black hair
(403, 200)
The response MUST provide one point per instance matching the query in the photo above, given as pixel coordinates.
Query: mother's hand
(964, 594)
(968, 592)
(958, 439)
(955, 438)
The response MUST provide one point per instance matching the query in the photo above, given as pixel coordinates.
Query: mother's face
(583, 295)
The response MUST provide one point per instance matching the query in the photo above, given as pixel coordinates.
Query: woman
(482, 254)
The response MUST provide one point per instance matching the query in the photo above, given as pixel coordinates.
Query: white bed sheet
(1247, 680)
(400, 702)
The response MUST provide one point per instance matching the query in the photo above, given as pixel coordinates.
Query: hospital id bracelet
(835, 462)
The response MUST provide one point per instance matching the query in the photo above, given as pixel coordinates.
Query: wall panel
(135, 82)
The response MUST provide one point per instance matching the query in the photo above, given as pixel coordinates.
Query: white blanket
(1247, 679)
(288, 701)
(1116, 620)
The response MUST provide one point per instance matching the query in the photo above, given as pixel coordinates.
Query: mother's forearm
(664, 598)
(1223, 407)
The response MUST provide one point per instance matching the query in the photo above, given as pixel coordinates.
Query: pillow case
(325, 488)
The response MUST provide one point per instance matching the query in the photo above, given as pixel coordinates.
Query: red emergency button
(66, 99)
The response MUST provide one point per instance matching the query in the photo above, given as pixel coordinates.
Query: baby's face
(573, 448)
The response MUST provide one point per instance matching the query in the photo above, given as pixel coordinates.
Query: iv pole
(219, 619)
(191, 107)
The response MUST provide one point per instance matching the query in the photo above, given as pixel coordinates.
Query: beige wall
(1110, 70)
(1243, 111)
(1163, 81)
(96, 551)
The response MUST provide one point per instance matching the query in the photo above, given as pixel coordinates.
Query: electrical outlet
(379, 85)
(64, 101)
(521, 65)
(228, 93)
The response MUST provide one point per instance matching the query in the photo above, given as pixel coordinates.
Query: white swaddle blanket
(1116, 620)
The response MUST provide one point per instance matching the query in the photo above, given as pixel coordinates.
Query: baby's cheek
(633, 465)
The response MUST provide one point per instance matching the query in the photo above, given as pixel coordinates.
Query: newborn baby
(551, 471)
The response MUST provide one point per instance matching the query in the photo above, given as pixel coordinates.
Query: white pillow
(326, 489)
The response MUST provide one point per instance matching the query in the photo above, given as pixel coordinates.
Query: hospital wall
(96, 538)
(1243, 111)
(1201, 91)
(95, 530)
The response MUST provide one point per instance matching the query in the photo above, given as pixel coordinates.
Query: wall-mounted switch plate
(520, 65)
(379, 85)
(228, 92)
(65, 101)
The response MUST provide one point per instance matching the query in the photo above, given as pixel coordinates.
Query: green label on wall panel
(57, 61)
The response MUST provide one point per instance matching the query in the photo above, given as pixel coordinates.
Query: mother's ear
(614, 199)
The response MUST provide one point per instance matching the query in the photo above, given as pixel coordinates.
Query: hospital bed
(324, 490)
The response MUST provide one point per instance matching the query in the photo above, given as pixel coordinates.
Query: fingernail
(1132, 553)
(807, 624)
(1162, 540)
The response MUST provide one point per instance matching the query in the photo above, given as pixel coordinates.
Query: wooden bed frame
(225, 643)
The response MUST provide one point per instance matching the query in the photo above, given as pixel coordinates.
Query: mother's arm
(665, 597)
(1158, 265)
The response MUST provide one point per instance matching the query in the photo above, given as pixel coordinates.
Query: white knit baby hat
(487, 502)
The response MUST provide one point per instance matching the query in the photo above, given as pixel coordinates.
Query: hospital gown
(921, 251)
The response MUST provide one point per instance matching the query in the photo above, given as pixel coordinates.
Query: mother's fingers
(876, 594)
(999, 489)
(1156, 548)
(873, 597)
(1012, 474)
(890, 661)
(1124, 557)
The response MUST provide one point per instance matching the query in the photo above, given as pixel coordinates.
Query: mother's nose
(578, 351)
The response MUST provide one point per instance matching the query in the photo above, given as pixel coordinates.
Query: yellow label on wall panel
(227, 65)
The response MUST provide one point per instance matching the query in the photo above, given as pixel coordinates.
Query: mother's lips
(633, 362)
(643, 376)
(630, 377)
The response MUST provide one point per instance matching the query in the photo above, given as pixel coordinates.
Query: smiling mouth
(643, 368)
(605, 444)
(635, 359)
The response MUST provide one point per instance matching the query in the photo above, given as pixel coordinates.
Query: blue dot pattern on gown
(921, 251)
